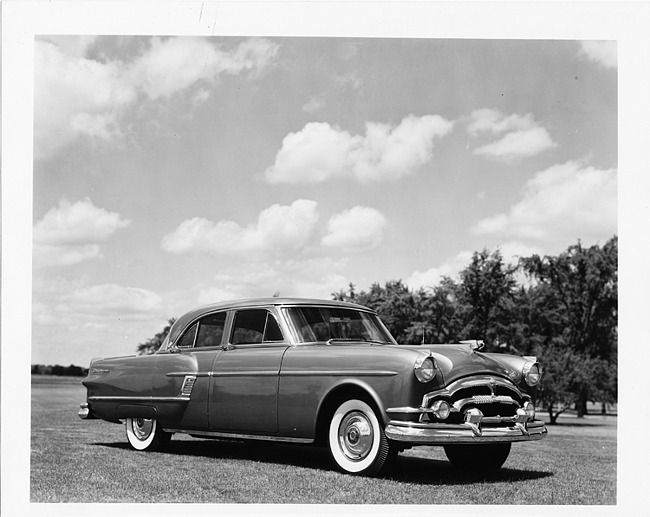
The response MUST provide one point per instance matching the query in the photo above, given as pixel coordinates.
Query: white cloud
(113, 299)
(510, 252)
(277, 228)
(431, 277)
(565, 202)
(71, 233)
(320, 152)
(492, 121)
(602, 52)
(174, 64)
(521, 136)
(518, 144)
(313, 104)
(74, 96)
(316, 277)
(356, 229)
(78, 96)
(109, 319)
(349, 80)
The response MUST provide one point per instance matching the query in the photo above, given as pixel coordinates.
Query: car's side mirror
(173, 349)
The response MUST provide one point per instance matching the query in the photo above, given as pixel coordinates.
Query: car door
(244, 395)
(187, 372)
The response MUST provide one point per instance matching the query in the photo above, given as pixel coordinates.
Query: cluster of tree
(72, 370)
(562, 309)
(151, 346)
(565, 313)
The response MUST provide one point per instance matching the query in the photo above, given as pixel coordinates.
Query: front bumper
(426, 433)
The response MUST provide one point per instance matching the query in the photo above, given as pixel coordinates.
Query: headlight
(532, 373)
(424, 368)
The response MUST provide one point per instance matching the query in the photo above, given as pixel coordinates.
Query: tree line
(562, 309)
(57, 369)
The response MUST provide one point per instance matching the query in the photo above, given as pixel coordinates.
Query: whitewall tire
(145, 434)
(356, 439)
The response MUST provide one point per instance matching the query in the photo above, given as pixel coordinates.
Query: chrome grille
(493, 396)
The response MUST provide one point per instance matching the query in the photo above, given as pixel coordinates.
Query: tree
(438, 318)
(151, 345)
(394, 302)
(486, 286)
(568, 376)
(575, 298)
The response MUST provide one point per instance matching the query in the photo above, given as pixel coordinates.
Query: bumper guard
(84, 412)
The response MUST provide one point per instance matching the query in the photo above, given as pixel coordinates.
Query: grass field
(89, 462)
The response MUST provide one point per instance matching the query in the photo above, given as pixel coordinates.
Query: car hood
(456, 361)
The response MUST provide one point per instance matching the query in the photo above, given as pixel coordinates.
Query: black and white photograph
(264, 255)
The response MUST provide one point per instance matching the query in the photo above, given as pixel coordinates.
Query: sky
(171, 172)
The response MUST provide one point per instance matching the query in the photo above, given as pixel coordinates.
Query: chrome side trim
(239, 436)
(122, 398)
(183, 374)
(246, 373)
(338, 373)
(292, 373)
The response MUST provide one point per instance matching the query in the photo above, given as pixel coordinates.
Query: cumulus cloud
(174, 64)
(432, 276)
(510, 251)
(313, 104)
(602, 52)
(106, 299)
(320, 152)
(565, 202)
(76, 95)
(519, 135)
(277, 228)
(71, 233)
(312, 277)
(109, 319)
(355, 229)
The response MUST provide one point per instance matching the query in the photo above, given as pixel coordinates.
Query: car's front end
(479, 398)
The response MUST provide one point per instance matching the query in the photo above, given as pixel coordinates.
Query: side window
(211, 330)
(272, 331)
(187, 341)
(255, 326)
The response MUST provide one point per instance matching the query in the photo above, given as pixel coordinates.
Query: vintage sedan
(318, 372)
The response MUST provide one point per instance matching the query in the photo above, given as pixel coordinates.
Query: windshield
(333, 324)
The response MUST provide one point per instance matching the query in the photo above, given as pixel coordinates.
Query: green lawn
(89, 461)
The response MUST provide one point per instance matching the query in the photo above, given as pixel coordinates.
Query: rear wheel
(479, 458)
(356, 439)
(145, 434)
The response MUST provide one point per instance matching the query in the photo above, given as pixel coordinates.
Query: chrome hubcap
(355, 436)
(142, 428)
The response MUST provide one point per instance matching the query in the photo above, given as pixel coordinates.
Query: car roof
(191, 315)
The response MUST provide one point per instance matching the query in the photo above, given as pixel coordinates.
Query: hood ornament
(474, 344)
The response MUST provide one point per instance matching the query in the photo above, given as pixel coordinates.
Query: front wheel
(145, 434)
(356, 439)
(478, 458)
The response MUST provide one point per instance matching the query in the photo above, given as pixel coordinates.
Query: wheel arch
(345, 390)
